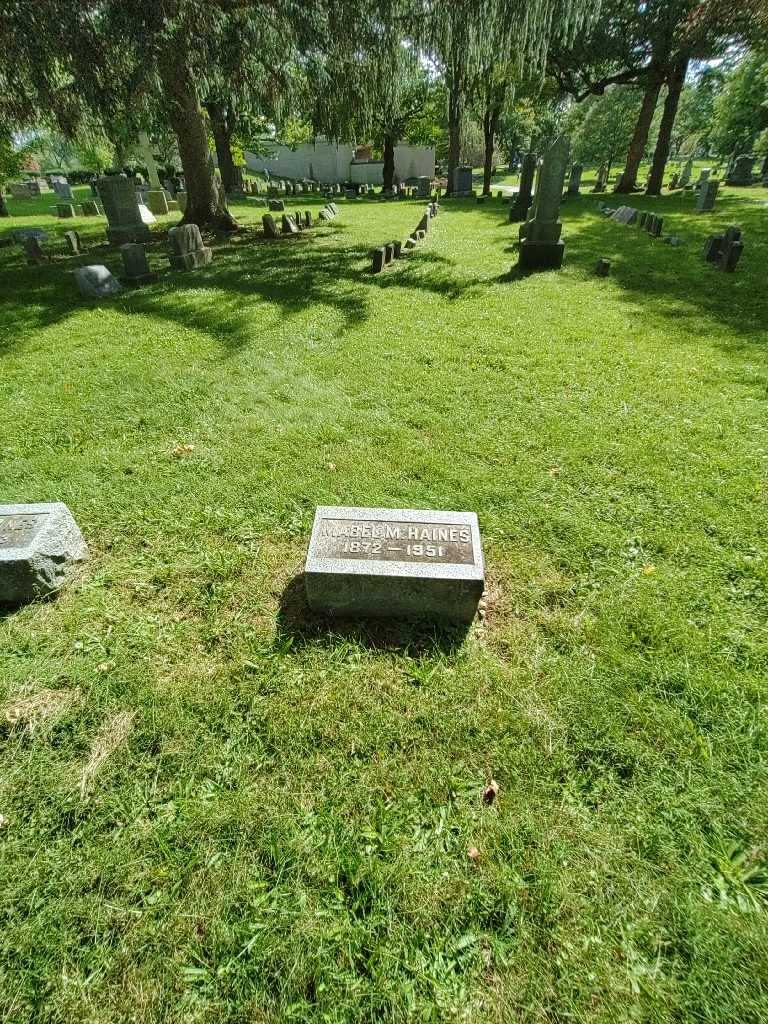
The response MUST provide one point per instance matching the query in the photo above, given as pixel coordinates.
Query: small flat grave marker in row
(39, 546)
(395, 563)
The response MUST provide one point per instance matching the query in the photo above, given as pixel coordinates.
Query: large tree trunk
(490, 127)
(455, 82)
(222, 127)
(675, 82)
(186, 118)
(389, 163)
(628, 180)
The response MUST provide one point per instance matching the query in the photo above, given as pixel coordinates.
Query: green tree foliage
(601, 127)
(741, 108)
(695, 115)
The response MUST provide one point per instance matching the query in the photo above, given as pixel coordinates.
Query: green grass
(280, 832)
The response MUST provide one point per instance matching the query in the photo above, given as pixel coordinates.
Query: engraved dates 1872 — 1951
(390, 541)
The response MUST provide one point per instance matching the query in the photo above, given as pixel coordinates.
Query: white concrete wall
(328, 161)
(323, 161)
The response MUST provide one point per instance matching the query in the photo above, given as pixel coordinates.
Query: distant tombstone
(121, 205)
(395, 563)
(325, 215)
(685, 174)
(574, 182)
(308, 218)
(423, 186)
(703, 176)
(276, 205)
(40, 545)
(705, 200)
(397, 249)
(541, 247)
(19, 234)
(522, 201)
(135, 264)
(298, 218)
(96, 282)
(462, 181)
(65, 211)
(63, 190)
(642, 217)
(603, 268)
(187, 249)
(289, 225)
(34, 251)
(423, 224)
(90, 208)
(741, 172)
(147, 217)
(389, 252)
(653, 225)
(157, 201)
(271, 229)
(602, 179)
(379, 260)
(724, 250)
(73, 242)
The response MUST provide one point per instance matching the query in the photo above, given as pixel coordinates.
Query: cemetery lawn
(217, 809)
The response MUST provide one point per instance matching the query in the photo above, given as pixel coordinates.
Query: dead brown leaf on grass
(110, 737)
(30, 711)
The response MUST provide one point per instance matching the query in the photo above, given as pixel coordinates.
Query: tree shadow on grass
(317, 267)
(665, 283)
(298, 626)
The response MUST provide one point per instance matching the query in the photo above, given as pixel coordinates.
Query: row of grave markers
(384, 255)
(295, 222)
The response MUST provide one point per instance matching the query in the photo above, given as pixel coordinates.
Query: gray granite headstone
(522, 201)
(39, 547)
(379, 260)
(685, 174)
(276, 205)
(462, 181)
(271, 229)
(73, 242)
(65, 210)
(135, 264)
(741, 172)
(574, 182)
(123, 210)
(33, 250)
(395, 563)
(705, 200)
(541, 247)
(96, 282)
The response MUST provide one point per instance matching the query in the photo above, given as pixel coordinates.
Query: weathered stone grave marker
(574, 182)
(73, 242)
(271, 229)
(741, 173)
(33, 250)
(705, 200)
(40, 545)
(395, 563)
(135, 264)
(187, 249)
(65, 211)
(519, 208)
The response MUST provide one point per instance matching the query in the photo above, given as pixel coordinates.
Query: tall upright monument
(541, 247)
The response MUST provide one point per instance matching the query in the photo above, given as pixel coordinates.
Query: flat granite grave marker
(39, 547)
(395, 563)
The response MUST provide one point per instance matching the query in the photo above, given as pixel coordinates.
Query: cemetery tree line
(233, 68)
